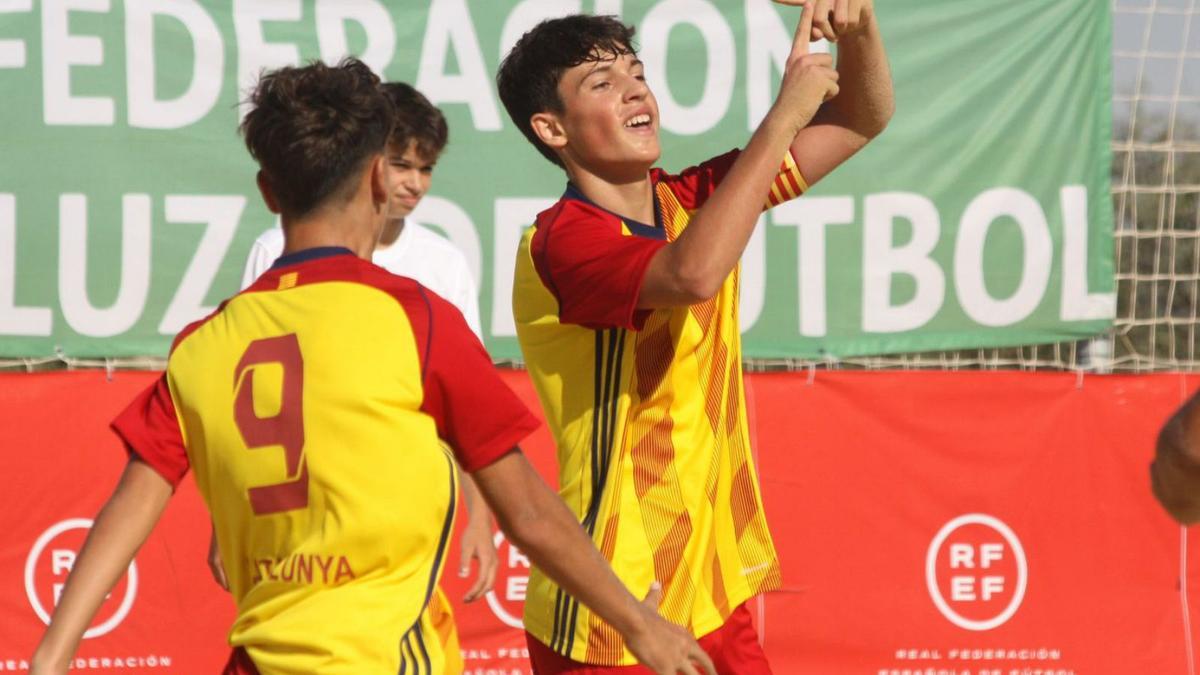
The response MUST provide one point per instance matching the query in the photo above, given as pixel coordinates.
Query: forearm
(557, 544)
(1175, 473)
(116, 535)
(694, 266)
(536, 520)
(866, 101)
(478, 512)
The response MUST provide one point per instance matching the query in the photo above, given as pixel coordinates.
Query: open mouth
(638, 121)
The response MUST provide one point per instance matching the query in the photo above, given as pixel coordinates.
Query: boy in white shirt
(406, 247)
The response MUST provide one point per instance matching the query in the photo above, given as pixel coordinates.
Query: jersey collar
(309, 254)
(655, 231)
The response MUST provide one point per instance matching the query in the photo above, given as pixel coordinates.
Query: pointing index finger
(803, 31)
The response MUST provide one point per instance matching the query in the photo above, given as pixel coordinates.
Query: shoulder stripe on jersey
(604, 418)
(428, 341)
(617, 349)
(415, 629)
(560, 601)
(424, 651)
(412, 653)
(404, 657)
(446, 527)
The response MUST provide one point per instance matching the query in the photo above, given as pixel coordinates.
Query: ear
(379, 182)
(549, 130)
(264, 188)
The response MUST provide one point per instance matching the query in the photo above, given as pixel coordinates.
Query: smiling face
(409, 176)
(609, 119)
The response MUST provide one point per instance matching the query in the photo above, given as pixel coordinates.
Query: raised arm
(1175, 472)
(537, 521)
(865, 103)
(692, 268)
(119, 531)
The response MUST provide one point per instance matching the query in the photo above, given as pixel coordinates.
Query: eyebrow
(598, 69)
(607, 66)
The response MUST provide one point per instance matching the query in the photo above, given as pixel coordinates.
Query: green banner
(981, 217)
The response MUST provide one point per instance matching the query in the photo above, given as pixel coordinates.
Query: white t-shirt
(418, 253)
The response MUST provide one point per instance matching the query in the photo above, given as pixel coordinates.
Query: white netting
(1156, 182)
(1156, 200)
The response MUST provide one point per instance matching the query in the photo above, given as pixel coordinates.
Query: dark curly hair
(528, 76)
(312, 129)
(417, 120)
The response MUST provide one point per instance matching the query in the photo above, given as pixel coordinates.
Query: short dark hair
(528, 77)
(417, 120)
(312, 128)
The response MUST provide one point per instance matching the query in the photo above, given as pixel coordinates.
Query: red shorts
(239, 664)
(733, 648)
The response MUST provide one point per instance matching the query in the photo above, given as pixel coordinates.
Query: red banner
(928, 523)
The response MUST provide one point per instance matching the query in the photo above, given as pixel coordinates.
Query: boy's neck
(631, 198)
(349, 228)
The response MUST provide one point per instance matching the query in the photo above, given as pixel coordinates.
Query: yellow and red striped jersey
(648, 414)
(311, 409)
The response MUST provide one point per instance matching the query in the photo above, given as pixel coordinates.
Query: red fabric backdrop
(966, 523)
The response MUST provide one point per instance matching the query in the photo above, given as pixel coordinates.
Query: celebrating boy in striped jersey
(625, 300)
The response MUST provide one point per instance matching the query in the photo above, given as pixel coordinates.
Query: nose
(410, 181)
(636, 89)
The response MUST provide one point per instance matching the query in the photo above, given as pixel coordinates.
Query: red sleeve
(151, 432)
(593, 267)
(694, 185)
(477, 415)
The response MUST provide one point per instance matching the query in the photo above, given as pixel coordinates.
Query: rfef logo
(507, 597)
(51, 559)
(976, 572)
